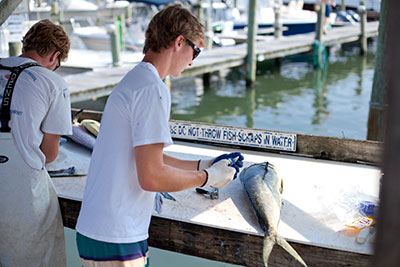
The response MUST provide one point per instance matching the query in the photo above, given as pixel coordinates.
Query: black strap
(8, 92)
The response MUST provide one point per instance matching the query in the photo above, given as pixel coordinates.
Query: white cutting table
(319, 196)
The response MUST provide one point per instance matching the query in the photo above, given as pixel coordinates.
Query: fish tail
(269, 242)
(286, 246)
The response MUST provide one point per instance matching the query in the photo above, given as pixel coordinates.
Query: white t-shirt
(115, 208)
(40, 104)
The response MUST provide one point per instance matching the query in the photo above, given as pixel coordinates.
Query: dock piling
(278, 21)
(14, 48)
(251, 44)
(56, 13)
(362, 11)
(319, 47)
(113, 32)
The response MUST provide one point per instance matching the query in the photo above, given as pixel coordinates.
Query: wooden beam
(320, 147)
(387, 245)
(6, 9)
(225, 245)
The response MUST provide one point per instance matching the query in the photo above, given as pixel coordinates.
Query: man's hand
(220, 174)
(236, 159)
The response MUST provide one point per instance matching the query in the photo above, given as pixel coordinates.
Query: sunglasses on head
(196, 49)
(58, 64)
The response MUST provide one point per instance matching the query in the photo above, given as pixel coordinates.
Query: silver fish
(264, 188)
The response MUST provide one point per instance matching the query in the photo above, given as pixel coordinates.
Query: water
(292, 98)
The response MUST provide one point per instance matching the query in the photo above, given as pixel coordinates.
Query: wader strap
(8, 91)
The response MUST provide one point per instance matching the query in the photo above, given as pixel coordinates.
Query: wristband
(206, 178)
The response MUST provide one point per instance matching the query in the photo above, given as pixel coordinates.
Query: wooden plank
(320, 147)
(387, 244)
(224, 245)
(6, 9)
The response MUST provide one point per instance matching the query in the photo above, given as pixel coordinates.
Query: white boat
(374, 5)
(293, 17)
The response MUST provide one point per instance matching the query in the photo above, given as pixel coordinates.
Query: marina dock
(99, 79)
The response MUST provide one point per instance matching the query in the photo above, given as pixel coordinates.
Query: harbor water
(291, 98)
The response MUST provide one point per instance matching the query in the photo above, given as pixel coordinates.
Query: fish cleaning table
(319, 197)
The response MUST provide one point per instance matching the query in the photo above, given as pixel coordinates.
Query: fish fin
(158, 202)
(269, 242)
(286, 246)
(167, 196)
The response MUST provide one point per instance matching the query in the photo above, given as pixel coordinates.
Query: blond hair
(168, 24)
(45, 37)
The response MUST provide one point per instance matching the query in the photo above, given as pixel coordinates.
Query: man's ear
(178, 43)
(54, 56)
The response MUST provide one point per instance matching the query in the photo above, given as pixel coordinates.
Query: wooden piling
(209, 30)
(362, 11)
(14, 48)
(113, 32)
(128, 13)
(319, 47)
(251, 59)
(55, 13)
(121, 28)
(320, 22)
(278, 21)
(387, 245)
(343, 6)
(380, 86)
(167, 81)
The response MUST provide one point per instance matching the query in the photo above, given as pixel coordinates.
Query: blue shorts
(328, 10)
(98, 253)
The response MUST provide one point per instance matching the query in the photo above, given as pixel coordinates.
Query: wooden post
(319, 47)
(278, 22)
(209, 30)
(343, 6)
(200, 13)
(387, 245)
(251, 59)
(320, 22)
(6, 9)
(113, 31)
(362, 11)
(380, 86)
(14, 48)
(55, 12)
(128, 13)
(121, 29)
(167, 81)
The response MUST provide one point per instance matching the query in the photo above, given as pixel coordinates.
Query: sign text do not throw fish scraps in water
(237, 136)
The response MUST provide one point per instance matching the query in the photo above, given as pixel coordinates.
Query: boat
(98, 37)
(323, 176)
(371, 5)
(292, 16)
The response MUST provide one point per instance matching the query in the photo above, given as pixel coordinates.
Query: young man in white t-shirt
(128, 165)
(31, 229)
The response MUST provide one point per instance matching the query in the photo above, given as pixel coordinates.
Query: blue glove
(236, 159)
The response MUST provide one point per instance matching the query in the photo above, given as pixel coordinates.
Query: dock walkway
(102, 78)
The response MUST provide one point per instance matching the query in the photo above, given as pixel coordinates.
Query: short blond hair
(168, 24)
(45, 37)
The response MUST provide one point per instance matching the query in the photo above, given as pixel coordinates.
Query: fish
(92, 126)
(264, 188)
(81, 136)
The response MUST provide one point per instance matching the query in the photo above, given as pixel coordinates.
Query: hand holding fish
(220, 174)
(236, 159)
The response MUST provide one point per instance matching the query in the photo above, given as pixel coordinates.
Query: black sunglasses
(196, 49)
(58, 64)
